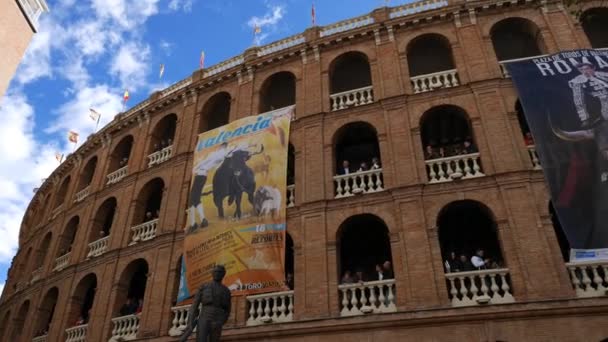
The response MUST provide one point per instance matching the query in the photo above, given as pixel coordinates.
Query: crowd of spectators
(381, 272)
(133, 306)
(163, 143)
(123, 162)
(151, 216)
(346, 167)
(462, 263)
(467, 147)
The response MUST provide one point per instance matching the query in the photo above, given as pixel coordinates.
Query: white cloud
(130, 64)
(185, 5)
(127, 14)
(166, 47)
(37, 60)
(1, 288)
(266, 23)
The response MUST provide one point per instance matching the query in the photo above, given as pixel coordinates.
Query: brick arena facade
(384, 85)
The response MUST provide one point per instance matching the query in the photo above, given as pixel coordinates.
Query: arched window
(357, 159)
(147, 205)
(43, 250)
(121, 154)
(562, 240)
(428, 55)
(163, 134)
(216, 112)
(350, 80)
(19, 320)
(516, 38)
(63, 190)
(5, 324)
(445, 129)
(131, 289)
(86, 177)
(278, 91)
(66, 240)
(46, 312)
(595, 25)
(82, 301)
(102, 223)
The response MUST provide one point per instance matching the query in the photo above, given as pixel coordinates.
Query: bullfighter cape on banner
(565, 101)
(236, 207)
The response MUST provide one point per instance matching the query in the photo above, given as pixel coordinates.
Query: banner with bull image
(565, 101)
(236, 208)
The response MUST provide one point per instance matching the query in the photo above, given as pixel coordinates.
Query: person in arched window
(478, 260)
(468, 147)
(379, 272)
(453, 264)
(345, 168)
(347, 278)
(375, 164)
(388, 270)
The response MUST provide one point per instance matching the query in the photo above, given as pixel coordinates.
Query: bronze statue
(210, 309)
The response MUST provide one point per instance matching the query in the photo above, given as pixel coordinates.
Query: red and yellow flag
(73, 137)
(125, 96)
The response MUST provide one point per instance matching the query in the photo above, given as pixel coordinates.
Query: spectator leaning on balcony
(375, 164)
(363, 167)
(347, 278)
(453, 264)
(359, 277)
(466, 264)
(289, 280)
(478, 260)
(148, 216)
(345, 168)
(468, 148)
(379, 272)
(388, 270)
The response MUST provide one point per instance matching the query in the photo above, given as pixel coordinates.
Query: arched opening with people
(121, 154)
(62, 192)
(162, 135)
(473, 261)
(19, 321)
(82, 301)
(86, 177)
(365, 268)
(216, 112)
(41, 253)
(562, 239)
(131, 289)
(148, 202)
(278, 91)
(66, 240)
(595, 25)
(350, 81)
(46, 312)
(358, 165)
(103, 220)
(515, 38)
(430, 63)
(449, 147)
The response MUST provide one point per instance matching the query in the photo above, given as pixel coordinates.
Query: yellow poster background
(251, 246)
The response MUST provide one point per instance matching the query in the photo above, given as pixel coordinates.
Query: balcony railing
(436, 80)
(503, 67)
(367, 297)
(346, 25)
(61, 262)
(362, 182)
(76, 334)
(534, 157)
(352, 98)
(291, 195)
(117, 175)
(36, 274)
(274, 307)
(40, 338)
(125, 328)
(417, 7)
(463, 166)
(589, 278)
(479, 287)
(98, 247)
(180, 319)
(160, 156)
(281, 45)
(80, 195)
(143, 232)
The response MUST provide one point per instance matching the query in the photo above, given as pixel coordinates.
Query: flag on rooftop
(201, 62)
(94, 115)
(73, 137)
(58, 156)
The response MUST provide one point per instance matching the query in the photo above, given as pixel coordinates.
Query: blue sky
(87, 52)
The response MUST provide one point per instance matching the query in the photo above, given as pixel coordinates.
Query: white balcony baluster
(456, 167)
(367, 297)
(479, 287)
(117, 175)
(36, 274)
(503, 67)
(98, 247)
(160, 156)
(273, 307)
(436, 80)
(80, 195)
(589, 278)
(291, 196)
(352, 98)
(61, 262)
(77, 333)
(125, 328)
(358, 182)
(180, 319)
(143, 232)
(40, 338)
(534, 157)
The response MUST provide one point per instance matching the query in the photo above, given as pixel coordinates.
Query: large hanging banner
(565, 101)
(236, 208)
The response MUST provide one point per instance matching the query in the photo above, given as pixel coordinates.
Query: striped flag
(313, 15)
(162, 71)
(58, 156)
(201, 62)
(125, 96)
(73, 137)
(94, 115)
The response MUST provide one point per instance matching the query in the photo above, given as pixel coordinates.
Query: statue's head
(218, 272)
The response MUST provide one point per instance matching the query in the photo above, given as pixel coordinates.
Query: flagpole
(97, 124)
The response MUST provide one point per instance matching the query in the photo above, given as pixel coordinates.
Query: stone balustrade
(273, 307)
(62, 262)
(177, 86)
(223, 66)
(98, 247)
(56, 211)
(416, 7)
(503, 67)
(589, 278)
(36, 274)
(352, 98)
(291, 196)
(136, 108)
(362, 182)
(180, 319)
(436, 80)
(143, 232)
(160, 156)
(77, 333)
(463, 166)
(80, 195)
(479, 287)
(40, 338)
(367, 297)
(534, 157)
(346, 25)
(124, 328)
(117, 175)
(281, 45)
